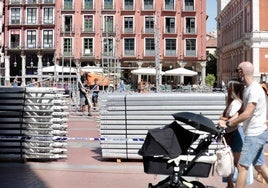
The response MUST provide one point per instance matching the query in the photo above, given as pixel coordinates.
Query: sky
(212, 13)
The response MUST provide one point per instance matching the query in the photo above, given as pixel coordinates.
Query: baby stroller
(169, 151)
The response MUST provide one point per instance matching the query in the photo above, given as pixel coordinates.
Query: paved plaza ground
(84, 166)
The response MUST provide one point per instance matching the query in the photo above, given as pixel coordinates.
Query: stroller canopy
(169, 141)
(197, 121)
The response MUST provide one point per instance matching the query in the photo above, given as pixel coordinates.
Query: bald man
(254, 125)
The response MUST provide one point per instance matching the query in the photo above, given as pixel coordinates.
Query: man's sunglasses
(238, 70)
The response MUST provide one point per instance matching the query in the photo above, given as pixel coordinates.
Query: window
(128, 5)
(190, 25)
(108, 24)
(47, 38)
(191, 47)
(108, 46)
(15, 15)
(128, 25)
(48, 16)
(88, 46)
(31, 15)
(88, 4)
(149, 24)
(31, 39)
(108, 4)
(149, 47)
(189, 4)
(15, 39)
(169, 5)
(170, 48)
(129, 47)
(67, 46)
(88, 23)
(68, 21)
(68, 5)
(148, 4)
(170, 25)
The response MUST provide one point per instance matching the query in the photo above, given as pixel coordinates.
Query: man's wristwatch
(227, 123)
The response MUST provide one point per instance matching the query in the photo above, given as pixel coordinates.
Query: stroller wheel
(197, 184)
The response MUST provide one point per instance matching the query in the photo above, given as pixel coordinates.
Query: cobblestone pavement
(84, 166)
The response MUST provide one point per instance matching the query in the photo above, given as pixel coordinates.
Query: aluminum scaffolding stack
(11, 114)
(45, 123)
(126, 118)
(33, 123)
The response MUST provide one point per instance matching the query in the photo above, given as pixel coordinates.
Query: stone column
(203, 65)
(39, 68)
(7, 70)
(182, 65)
(139, 76)
(160, 77)
(23, 69)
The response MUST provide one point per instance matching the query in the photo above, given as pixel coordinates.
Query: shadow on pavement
(17, 175)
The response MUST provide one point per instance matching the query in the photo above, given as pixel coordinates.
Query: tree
(210, 79)
(211, 64)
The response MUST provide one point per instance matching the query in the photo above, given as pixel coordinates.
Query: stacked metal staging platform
(126, 118)
(33, 123)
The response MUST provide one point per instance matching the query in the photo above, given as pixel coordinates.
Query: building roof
(211, 40)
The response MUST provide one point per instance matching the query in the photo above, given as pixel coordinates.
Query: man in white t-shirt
(254, 125)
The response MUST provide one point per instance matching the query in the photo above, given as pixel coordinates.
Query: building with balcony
(117, 35)
(242, 36)
(2, 68)
(29, 38)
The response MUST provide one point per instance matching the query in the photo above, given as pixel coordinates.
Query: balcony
(128, 31)
(188, 8)
(169, 8)
(88, 31)
(48, 22)
(128, 9)
(48, 46)
(48, 2)
(190, 31)
(170, 53)
(67, 30)
(15, 45)
(129, 53)
(88, 7)
(15, 2)
(15, 23)
(108, 8)
(148, 8)
(88, 52)
(190, 53)
(170, 30)
(32, 2)
(68, 54)
(149, 53)
(68, 8)
(148, 31)
(31, 46)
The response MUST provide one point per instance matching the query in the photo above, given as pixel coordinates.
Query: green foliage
(210, 79)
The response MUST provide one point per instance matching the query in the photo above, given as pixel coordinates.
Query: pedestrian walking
(254, 125)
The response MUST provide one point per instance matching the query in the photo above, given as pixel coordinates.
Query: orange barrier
(102, 79)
